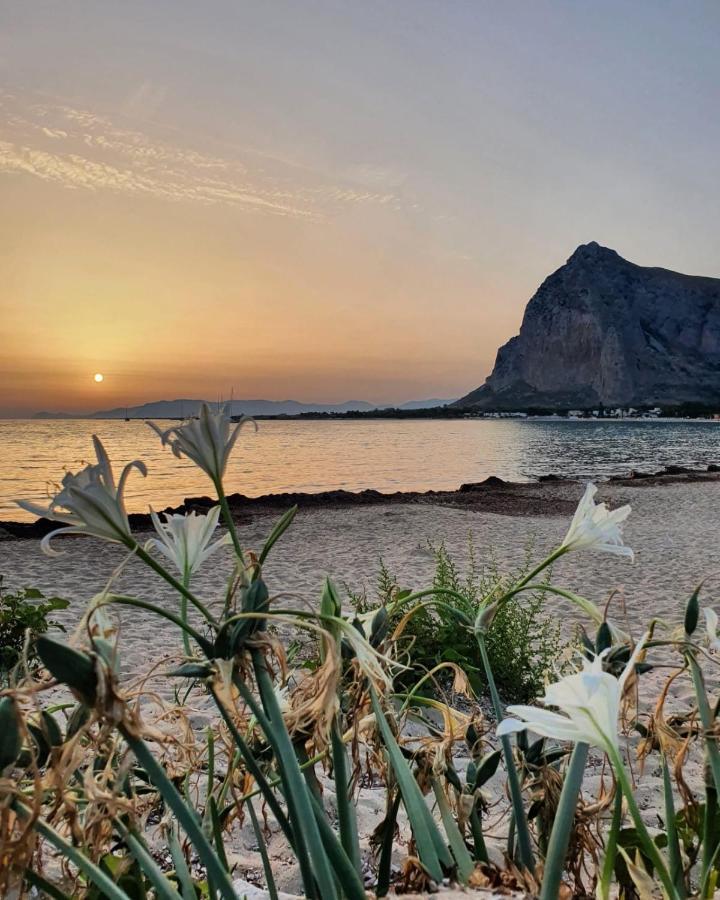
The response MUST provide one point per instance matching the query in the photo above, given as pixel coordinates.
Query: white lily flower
(186, 540)
(89, 502)
(207, 440)
(589, 704)
(595, 527)
(711, 623)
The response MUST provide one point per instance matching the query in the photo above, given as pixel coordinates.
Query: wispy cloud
(81, 150)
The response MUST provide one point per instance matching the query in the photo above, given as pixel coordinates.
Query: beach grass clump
(108, 790)
(525, 645)
(25, 614)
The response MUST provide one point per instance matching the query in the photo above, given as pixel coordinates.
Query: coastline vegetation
(107, 791)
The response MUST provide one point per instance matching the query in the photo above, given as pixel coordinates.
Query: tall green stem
(184, 613)
(563, 824)
(649, 845)
(525, 851)
(171, 580)
(229, 521)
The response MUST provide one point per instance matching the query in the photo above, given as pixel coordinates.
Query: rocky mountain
(602, 330)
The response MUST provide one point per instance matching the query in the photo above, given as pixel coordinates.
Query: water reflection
(383, 454)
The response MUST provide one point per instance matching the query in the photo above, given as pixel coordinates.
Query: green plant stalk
(384, 864)
(297, 793)
(706, 718)
(606, 873)
(229, 521)
(202, 642)
(184, 614)
(712, 754)
(207, 823)
(347, 821)
(264, 786)
(563, 824)
(187, 888)
(142, 554)
(74, 854)
(148, 866)
(186, 816)
(525, 852)
(709, 881)
(533, 573)
(674, 854)
(267, 867)
(481, 853)
(432, 850)
(44, 886)
(649, 845)
(348, 880)
(465, 864)
(710, 842)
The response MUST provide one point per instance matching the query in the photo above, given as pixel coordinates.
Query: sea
(316, 455)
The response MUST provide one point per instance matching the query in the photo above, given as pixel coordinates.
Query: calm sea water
(383, 454)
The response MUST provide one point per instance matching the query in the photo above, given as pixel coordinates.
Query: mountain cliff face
(603, 330)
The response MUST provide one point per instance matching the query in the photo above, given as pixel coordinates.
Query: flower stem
(184, 613)
(603, 888)
(525, 852)
(649, 845)
(171, 580)
(229, 521)
(563, 824)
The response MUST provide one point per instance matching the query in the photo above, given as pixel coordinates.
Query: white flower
(89, 502)
(595, 527)
(185, 540)
(207, 440)
(589, 704)
(711, 623)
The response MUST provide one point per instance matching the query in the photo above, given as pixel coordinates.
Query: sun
(98, 376)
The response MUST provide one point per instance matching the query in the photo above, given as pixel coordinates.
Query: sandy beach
(671, 531)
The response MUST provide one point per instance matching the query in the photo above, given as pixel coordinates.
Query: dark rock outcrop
(602, 330)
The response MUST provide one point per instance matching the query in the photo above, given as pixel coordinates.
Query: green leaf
(148, 866)
(277, 532)
(382, 887)
(69, 666)
(191, 670)
(692, 612)
(603, 639)
(78, 717)
(267, 867)
(52, 729)
(185, 815)
(182, 873)
(347, 821)
(465, 864)
(431, 848)
(56, 603)
(486, 768)
(10, 739)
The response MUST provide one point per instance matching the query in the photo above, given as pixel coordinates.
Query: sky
(325, 200)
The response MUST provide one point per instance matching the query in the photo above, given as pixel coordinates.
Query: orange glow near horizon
(328, 202)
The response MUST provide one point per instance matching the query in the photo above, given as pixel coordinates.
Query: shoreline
(548, 495)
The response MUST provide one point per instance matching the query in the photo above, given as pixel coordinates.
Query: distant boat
(127, 417)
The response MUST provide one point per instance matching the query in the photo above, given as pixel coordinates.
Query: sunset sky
(330, 200)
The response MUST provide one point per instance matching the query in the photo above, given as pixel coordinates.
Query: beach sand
(673, 530)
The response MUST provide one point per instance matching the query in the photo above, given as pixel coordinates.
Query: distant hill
(174, 409)
(426, 404)
(602, 330)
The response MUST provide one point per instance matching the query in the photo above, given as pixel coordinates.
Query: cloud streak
(81, 150)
